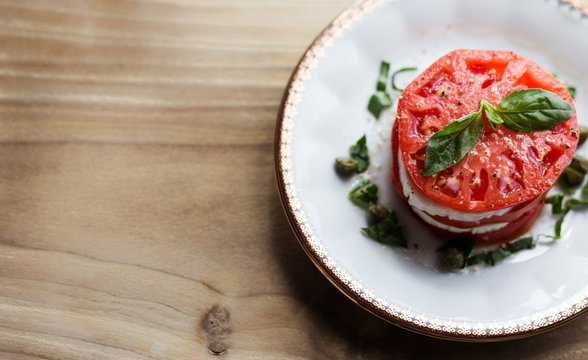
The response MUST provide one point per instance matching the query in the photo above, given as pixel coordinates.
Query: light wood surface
(139, 216)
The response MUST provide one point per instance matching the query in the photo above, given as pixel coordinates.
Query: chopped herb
(465, 247)
(558, 224)
(495, 256)
(378, 102)
(398, 72)
(364, 195)
(556, 202)
(521, 244)
(576, 203)
(476, 259)
(383, 78)
(572, 91)
(346, 166)
(387, 231)
(359, 152)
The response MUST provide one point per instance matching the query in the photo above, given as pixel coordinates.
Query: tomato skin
(505, 168)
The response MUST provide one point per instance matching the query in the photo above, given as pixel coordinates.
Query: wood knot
(215, 324)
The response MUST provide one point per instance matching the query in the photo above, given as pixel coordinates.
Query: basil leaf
(572, 91)
(387, 231)
(364, 194)
(398, 72)
(556, 202)
(476, 259)
(359, 152)
(531, 110)
(576, 203)
(449, 145)
(558, 224)
(521, 244)
(378, 102)
(494, 256)
(383, 78)
(492, 117)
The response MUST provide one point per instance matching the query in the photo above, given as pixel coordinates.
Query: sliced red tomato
(505, 168)
(515, 213)
(507, 233)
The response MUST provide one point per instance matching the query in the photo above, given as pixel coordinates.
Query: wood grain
(139, 215)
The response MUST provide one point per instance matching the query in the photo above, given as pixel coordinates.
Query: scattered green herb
(379, 102)
(572, 91)
(576, 204)
(556, 202)
(525, 110)
(364, 195)
(383, 78)
(394, 86)
(558, 225)
(359, 152)
(457, 252)
(387, 231)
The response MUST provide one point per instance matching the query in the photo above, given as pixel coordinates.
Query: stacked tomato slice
(505, 170)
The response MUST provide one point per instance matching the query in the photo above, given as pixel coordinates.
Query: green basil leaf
(387, 231)
(359, 152)
(495, 256)
(490, 113)
(558, 225)
(398, 72)
(383, 78)
(572, 91)
(364, 195)
(378, 102)
(576, 203)
(449, 145)
(476, 259)
(521, 244)
(556, 202)
(531, 110)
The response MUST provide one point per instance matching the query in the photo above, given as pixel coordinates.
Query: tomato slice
(507, 233)
(505, 168)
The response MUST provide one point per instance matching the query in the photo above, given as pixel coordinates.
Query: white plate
(324, 112)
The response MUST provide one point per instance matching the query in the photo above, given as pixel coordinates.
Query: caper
(346, 166)
(378, 212)
(574, 177)
(453, 258)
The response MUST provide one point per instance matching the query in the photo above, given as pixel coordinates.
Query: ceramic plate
(324, 112)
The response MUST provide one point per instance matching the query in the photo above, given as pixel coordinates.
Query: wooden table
(139, 216)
